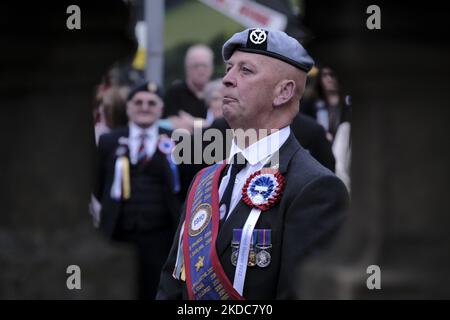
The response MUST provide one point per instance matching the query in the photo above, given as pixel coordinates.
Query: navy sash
(205, 277)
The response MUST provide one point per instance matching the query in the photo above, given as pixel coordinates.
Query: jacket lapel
(167, 171)
(286, 152)
(119, 141)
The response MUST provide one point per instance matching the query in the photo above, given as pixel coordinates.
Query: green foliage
(190, 23)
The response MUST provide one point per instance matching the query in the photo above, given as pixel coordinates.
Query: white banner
(249, 13)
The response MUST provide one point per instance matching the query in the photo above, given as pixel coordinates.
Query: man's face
(248, 89)
(144, 109)
(199, 67)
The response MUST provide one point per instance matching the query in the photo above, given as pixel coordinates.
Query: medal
(251, 258)
(234, 256)
(237, 233)
(263, 247)
(263, 258)
(252, 253)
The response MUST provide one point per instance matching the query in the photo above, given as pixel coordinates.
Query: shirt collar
(263, 148)
(136, 131)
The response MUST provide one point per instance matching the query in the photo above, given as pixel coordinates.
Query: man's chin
(229, 109)
(144, 124)
(231, 118)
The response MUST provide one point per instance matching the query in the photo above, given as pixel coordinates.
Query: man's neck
(143, 127)
(196, 89)
(332, 98)
(331, 93)
(244, 138)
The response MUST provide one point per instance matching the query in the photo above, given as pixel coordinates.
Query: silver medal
(263, 259)
(234, 257)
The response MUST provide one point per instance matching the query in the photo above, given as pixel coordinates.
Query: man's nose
(229, 80)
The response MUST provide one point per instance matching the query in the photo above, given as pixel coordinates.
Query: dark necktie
(142, 154)
(238, 163)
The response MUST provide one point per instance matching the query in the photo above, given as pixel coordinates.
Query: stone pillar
(398, 79)
(47, 86)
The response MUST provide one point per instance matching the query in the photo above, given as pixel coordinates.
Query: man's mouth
(228, 99)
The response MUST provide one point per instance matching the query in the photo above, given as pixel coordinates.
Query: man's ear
(284, 92)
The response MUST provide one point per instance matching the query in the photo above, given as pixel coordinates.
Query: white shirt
(257, 155)
(135, 140)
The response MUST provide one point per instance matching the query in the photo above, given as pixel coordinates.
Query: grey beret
(272, 43)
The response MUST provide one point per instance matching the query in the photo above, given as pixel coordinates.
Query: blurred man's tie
(142, 154)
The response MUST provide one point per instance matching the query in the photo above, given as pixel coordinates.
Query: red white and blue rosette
(263, 189)
(166, 145)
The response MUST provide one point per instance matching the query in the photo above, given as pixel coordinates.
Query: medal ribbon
(120, 188)
(244, 249)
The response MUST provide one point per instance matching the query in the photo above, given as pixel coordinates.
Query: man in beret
(249, 223)
(138, 185)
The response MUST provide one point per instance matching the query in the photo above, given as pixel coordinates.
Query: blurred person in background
(98, 113)
(138, 185)
(213, 100)
(111, 110)
(326, 104)
(188, 95)
(342, 150)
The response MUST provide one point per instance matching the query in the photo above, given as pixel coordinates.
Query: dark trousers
(152, 251)
(152, 248)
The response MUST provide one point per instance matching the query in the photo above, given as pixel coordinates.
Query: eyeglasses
(140, 103)
(198, 66)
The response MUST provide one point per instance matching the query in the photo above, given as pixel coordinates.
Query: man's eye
(246, 70)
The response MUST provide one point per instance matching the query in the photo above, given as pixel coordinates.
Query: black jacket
(310, 211)
(312, 137)
(106, 158)
(308, 132)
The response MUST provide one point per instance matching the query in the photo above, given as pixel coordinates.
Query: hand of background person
(185, 120)
(94, 209)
